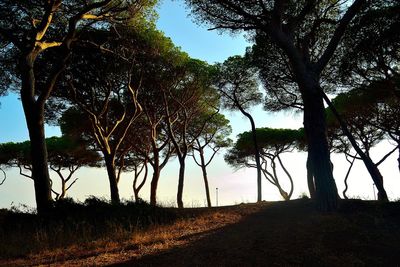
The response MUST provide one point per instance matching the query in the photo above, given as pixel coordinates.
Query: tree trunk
(346, 186)
(40, 172)
(289, 177)
(258, 161)
(112, 178)
(34, 116)
(156, 174)
(205, 178)
(63, 189)
(310, 178)
(369, 164)
(326, 194)
(180, 182)
(398, 159)
(256, 152)
(154, 184)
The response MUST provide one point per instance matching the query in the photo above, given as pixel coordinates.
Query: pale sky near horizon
(234, 187)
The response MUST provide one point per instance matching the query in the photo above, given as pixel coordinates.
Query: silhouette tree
(272, 144)
(371, 111)
(67, 155)
(158, 72)
(184, 102)
(64, 153)
(214, 130)
(238, 87)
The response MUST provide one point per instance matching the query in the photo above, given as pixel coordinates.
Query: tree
(272, 144)
(64, 153)
(371, 111)
(214, 130)
(183, 102)
(16, 155)
(308, 34)
(158, 72)
(134, 154)
(30, 31)
(238, 87)
(365, 57)
(109, 101)
(132, 161)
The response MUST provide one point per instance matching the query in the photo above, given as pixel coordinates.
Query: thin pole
(216, 190)
(373, 188)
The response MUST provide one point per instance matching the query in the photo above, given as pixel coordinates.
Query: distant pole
(373, 188)
(216, 190)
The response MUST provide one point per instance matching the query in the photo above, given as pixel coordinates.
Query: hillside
(361, 233)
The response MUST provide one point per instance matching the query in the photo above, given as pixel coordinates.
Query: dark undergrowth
(68, 223)
(293, 233)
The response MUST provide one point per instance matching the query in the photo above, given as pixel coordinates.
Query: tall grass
(23, 233)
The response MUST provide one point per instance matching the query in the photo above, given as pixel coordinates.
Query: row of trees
(306, 49)
(101, 71)
(371, 113)
(137, 101)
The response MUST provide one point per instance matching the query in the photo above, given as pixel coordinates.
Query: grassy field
(360, 233)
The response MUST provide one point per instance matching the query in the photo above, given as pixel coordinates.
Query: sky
(234, 186)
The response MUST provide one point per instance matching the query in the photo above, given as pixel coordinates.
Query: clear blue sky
(234, 187)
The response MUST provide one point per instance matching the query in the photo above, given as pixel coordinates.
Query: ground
(361, 233)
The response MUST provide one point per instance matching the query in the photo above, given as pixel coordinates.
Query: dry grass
(361, 233)
(124, 246)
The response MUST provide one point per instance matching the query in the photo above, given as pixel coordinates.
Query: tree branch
(338, 34)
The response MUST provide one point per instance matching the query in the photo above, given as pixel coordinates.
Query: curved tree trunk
(346, 186)
(289, 177)
(136, 189)
(156, 175)
(256, 154)
(326, 193)
(180, 182)
(369, 164)
(112, 178)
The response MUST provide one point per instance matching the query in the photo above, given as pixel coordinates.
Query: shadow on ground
(294, 234)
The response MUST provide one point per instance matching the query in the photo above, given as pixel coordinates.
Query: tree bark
(40, 172)
(154, 183)
(310, 178)
(180, 182)
(205, 178)
(112, 178)
(34, 116)
(326, 193)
